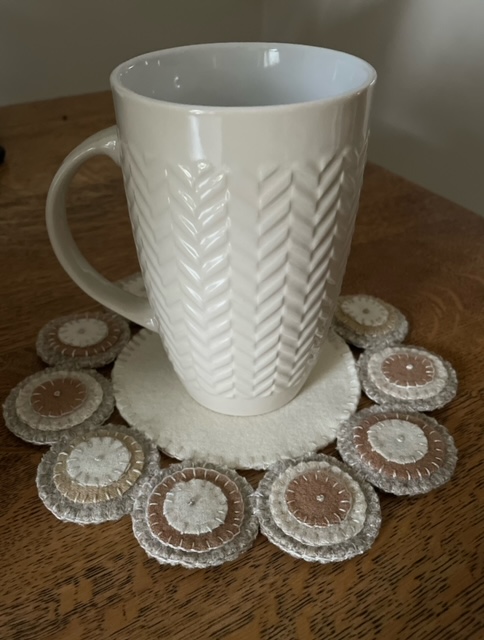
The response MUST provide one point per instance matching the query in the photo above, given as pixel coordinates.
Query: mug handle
(134, 308)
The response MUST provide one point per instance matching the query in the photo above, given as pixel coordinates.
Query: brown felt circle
(318, 498)
(408, 369)
(58, 397)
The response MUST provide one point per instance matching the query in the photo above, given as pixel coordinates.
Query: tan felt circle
(318, 498)
(430, 462)
(55, 341)
(58, 397)
(408, 369)
(80, 492)
(226, 531)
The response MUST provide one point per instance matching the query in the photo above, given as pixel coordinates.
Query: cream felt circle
(398, 441)
(365, 310)
(83, 332)
(197, 506)
(98, 462)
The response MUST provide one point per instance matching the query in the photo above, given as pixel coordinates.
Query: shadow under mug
(242, 165)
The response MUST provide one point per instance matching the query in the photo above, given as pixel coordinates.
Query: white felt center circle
(398, 441)
(365, 310)
(83, 332)
(98, 462)
(195, 507)
(150, 397)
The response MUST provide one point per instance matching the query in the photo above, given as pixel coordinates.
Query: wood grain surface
(423, 579)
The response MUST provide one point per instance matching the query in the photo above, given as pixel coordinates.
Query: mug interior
(243, 75)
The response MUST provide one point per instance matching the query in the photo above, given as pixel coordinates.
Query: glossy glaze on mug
(242, 213)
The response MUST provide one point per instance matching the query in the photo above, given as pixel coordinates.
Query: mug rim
(117, 85)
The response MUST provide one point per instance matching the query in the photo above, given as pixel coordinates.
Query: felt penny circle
(98, 467)
(213, 509)
(54, 400)
(400, 445)
(366, 321)
(88, 339)
(195, 514)
(94, 474)
(399, 451)
(67, 339)
(405, 373)
(317, 508)
(317, 503)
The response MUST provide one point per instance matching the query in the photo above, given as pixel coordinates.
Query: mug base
(151, 398)
(245, 406)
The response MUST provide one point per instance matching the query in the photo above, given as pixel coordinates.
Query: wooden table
(423, 577)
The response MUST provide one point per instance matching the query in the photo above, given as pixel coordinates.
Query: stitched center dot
(320, 498)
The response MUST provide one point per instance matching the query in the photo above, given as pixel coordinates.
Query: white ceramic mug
(242, 166)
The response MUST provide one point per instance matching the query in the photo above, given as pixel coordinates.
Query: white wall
(51, 48)
(429, 105)
(428, 116)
